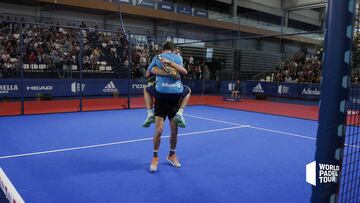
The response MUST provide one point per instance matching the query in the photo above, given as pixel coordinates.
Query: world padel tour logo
(321, 173)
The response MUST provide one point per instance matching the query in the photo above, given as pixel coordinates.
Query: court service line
(263, 129)
(117, 143)
(284, 133)
(216, 120)
(250, 126)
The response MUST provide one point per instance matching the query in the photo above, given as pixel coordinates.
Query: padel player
(180, 120)
(168, 91)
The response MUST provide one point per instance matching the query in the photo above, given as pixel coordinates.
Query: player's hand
(164, 60)
(170, 72)
(173, 73)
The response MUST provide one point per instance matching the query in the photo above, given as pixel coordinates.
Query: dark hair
(168, 46)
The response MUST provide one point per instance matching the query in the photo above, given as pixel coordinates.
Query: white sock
(150, 112)
(180, 111)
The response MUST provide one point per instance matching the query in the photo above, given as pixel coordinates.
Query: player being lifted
(169, 68)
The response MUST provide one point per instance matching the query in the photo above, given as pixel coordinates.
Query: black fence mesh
(350, 178)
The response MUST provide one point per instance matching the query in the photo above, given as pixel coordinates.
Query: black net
(350, 178)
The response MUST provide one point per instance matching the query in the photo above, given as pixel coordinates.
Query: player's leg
(179, 118)
(173, 142)
(161, 110)
(149, 103)
(236, 94)
(159, 122)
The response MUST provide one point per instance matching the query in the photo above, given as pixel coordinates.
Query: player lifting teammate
(167, 91)
(171, 70)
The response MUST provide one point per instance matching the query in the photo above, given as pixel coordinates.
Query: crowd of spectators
(58, 48)
(55, 49)
(197, 69)
(300, 68)
(142, 56)
(9, 43)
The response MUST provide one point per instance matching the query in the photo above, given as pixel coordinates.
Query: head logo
(258, 88)
(39, 88)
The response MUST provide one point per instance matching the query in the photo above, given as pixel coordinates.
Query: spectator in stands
(67, 69)
(7, 68)
(86, 63)
(56, 58)
(205, 70)
(236, 90)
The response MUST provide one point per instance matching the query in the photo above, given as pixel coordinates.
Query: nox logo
(75, 87)
(326, 173)
(138, 86)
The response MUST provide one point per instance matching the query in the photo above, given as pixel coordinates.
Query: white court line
(210, 119)
(263, 129)
(250, 126)
(284, 133)
(8, 188)
(116, 143)
(351, 145)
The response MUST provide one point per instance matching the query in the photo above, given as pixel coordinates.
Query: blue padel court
(226, 156)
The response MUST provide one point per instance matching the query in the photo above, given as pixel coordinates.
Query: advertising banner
(145, 3)
(166, 6)
(200, 12)
(186, 10)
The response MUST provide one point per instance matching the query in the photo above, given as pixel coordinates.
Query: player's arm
(157, 71)
(150, 67)
(179, 68)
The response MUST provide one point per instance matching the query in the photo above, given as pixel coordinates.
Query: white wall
(70, 15)
(274, 7)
